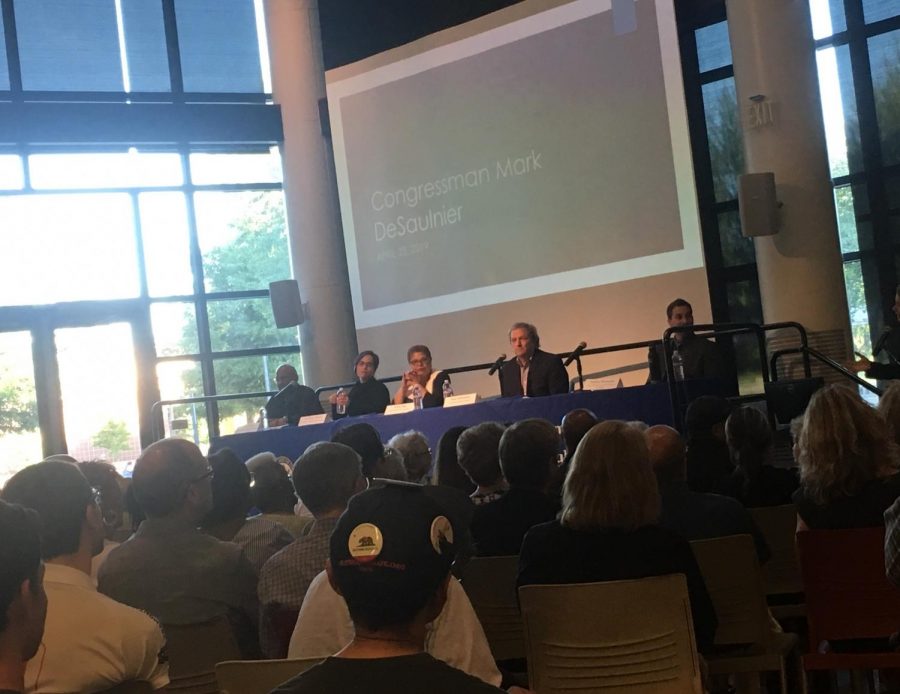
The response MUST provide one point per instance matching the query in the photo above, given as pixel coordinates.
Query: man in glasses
(90, 642)
(169, 568)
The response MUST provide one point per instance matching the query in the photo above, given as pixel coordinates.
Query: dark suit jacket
(546, 376)
(293, 403)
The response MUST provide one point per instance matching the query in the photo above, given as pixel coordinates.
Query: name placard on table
(400, 409)
(312, 419)
(463, 399)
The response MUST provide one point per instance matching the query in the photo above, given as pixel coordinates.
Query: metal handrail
(828, 361)
(156, 408)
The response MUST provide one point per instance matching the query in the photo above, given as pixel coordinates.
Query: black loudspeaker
(758, 204)
(287, 306)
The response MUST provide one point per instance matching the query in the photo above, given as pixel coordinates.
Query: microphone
(497, 365)
(575, 353)
(879, 345)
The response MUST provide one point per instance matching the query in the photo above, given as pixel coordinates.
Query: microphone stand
(580, 375)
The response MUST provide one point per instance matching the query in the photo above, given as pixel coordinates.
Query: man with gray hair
(325, 477)
(169, 568)
(532, 372)
(416, 452)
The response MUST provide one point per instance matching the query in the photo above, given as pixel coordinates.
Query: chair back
(194, 650)
(778, 524)
(731, 572)
(847, 593)
(616, 636)
(259, 676)
(130, 687)
(490, 583)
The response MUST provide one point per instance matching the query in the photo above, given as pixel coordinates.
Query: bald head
(574, 426)
(667, 453)
(285, 374)
(164, 473)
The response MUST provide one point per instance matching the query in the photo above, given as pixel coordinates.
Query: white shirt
(91, 642)
(456, 637)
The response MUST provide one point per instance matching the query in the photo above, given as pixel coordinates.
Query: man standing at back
(700, 357)
(292, 401)
(90, 642)
(169, 568)
(532, 372)
(325, 477)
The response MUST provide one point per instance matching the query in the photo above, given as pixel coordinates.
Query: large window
(858, 57)
(143, 220)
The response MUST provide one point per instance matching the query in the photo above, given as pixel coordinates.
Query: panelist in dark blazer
(531, 372)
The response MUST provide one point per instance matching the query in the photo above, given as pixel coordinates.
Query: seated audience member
(414, 448)
(390, 466)
(325, 477)
(708, 457)
(108, 483)
(889, 407)
(693, 515)
(608, 529)
(273, 494)
(90, 641)
(531, 371)
(365, 440)
(368, 395)
(528, 454)
(478, 452)
(293, 400)
(169, 568)
(755, 481)
(848, 463)
(574, 426)
(447, 471)
(23, 602)
(390, 558)
(421, 379)
(259, 537)
(701, 357)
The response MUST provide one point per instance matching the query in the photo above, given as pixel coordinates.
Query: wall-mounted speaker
(757, 204)
(287, 307)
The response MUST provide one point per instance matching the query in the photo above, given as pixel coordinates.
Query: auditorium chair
(259, 676)
(490, 584)
(847, 598)
(130, 687)
(781, 574)
(745, 641)
(615, 637)
(194, 650)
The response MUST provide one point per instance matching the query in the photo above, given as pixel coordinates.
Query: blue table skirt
(649, 403)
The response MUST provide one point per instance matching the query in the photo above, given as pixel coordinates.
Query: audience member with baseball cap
(390, 558)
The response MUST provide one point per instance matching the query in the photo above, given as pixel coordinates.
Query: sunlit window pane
(4, 66)
(839, 110)
(726, 148)
(145, 46)
(167, 256)
(713, 46)
(246, 324)
(105, 170)
(20, 438)
(243, 239)
(875, 10)
(177, 380)
(66, 248)
(743, 307)
(11, 175)
(68, 46)
(246, 375)
(884, 55)
(856, 301)
(828, 17)
(174, 328)
(210, 169)
(219, 45)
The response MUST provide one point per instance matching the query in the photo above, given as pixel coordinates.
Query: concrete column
(328, 337)
(800, 268)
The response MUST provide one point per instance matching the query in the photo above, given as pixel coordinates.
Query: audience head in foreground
(848, 462)
(478, 452)
(364, 439)
(23, 603)
(416, 452)
(172, 479)
(90, 642)
(390, 559)
(447, 471)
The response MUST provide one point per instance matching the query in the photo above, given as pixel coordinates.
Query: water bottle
(678, 365)
(263, 419)
(447, 389)
(341, 406)
(417, 397)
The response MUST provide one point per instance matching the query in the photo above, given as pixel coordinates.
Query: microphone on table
(879, 344)
(497, 365)
(575, 353)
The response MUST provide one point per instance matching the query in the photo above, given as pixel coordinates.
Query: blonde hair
(889, 406)
(610, 482)
(843, 444)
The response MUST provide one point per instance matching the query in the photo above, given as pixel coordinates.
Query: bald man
(292, 401)
(693, 515)
(170, 569)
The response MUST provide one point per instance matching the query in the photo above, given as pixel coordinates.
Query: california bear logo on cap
(365, 542)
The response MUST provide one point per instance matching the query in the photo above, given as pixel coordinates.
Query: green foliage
(114, 437)
(18, 409)
(726, 144)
